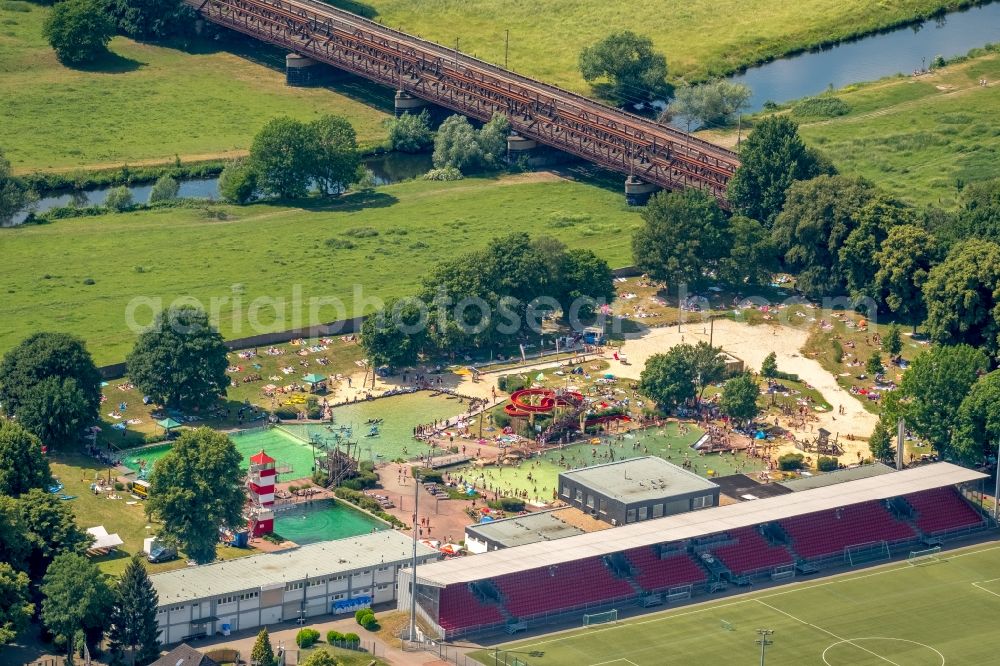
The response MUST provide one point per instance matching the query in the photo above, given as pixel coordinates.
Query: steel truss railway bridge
(652, 155)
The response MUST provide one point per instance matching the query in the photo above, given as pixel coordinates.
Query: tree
(14, 535)
(739, 398)
(668, 378)
(492, 140)
(262, 653)
(933, 389)
(410, 133)
(772, 158)
(51, 370)
(119, 199)
(16, 608)
(752, 258)
(76, 597)
(628, 62)
(963, 296)
(711, 104)
(79, 31)
(873, 366)
(582, 275)
(238, 182)
(456, 145)
(814, 224)
(872, 225)
(195, 489)
(980, 214)
(14, 195)
(133, 629)
(181, 360)
(769, 367)
(892, 341)
(336, 158)
(707, 363)
(684, 235)
(320, 658)
(396, 334)
(880, 443)
(977, 430)
(148, 19)
(22, 465)
(283, 156)
(165, 189)
(902, 267)
(56, 410)
(50, 530)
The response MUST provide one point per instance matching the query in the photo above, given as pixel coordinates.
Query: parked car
(161, 552)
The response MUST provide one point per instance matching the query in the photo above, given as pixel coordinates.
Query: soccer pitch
(940, 612)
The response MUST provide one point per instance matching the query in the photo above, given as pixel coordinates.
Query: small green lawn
(152, 102)
(262, 264)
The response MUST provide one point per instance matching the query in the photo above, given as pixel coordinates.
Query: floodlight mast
(763, 642)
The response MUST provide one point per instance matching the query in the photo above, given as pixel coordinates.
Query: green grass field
(897, 615)
(150, 102)
(280, 252)
(699, 38)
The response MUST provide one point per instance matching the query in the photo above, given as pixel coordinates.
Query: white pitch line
(980, 584)
(615, 661)
(825, 631)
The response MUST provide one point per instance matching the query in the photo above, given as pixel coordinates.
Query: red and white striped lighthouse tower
(260, 489)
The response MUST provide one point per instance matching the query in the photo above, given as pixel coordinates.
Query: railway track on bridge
(615, 139)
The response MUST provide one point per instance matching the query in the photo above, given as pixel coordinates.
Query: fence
(294, 656)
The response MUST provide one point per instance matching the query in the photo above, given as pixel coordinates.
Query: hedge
(306, 637)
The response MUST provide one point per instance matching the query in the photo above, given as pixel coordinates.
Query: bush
(366, 618)
(79, 31)
(501, 419)
(838, 351)
(286, 413)
(238, 182)
(511, 383)
(510, 504)
(821, 107)
(351, 637)
(306, 637)
(165, 189)
(313, 410)
(443, 174)
(362, 232)
(790, 462)
(119, 486)
(827, 463)
(428, 475)
(410, 133)
(119, 199)
(339, 244)
(334, 637)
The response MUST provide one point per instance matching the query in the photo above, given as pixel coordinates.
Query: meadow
(353, 248)
(149, 103)
(700, 39)
(929, 615)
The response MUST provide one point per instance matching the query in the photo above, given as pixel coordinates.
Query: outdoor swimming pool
(667, 442)
(289, 444)
(322, 520)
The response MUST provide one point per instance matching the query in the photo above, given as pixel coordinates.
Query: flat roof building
(836, 476)
(321, 578)
(518, 531)
(637, 489)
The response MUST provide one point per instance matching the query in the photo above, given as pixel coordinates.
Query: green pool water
(667, 442)
(289, 444)
(323, 520)
(400, 413)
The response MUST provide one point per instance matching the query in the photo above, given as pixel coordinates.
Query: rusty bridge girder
(598, 133)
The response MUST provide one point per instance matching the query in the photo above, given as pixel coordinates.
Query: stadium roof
(270, 570)
(521, 530)
(638, 479)
(744, 488)
(837, 476)
(694, 524)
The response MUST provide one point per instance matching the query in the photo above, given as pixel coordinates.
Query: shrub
(334, 637)
(79, 31)
(511, 504)
(119, 485)
(362, 232)
(501, 419)
(827, 463)
(351, 637)
(410, 133)
(89, 281)
(286, 413)
(511, 383)
(165, 189)
(821, 107)
(428, 475)
(238, 182)
(339, 244)
(313, 410)
(119, 199)
(443, 174)
(790, 462)
(306, 637)
(838, 351)
(362, 615)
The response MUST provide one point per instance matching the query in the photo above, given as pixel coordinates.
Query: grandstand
(697, 553)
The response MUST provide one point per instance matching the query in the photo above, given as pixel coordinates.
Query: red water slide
(521, 404)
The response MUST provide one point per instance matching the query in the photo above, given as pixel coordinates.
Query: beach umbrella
(168, 424)
(313, 378)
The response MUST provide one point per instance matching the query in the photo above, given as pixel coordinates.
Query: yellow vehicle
(140, 489)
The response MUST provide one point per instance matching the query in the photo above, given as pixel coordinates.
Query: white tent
(103, 540)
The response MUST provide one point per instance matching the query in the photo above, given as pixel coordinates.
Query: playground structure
(567, 409)
(260, 491)
(822, 445)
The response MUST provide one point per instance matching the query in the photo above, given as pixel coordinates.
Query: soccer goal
(927, 556)
(866, 552)
(600, 618)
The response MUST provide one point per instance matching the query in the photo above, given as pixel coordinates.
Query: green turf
(699, 37)
(150, 102)
(940, 613)
(323, 520)
(280, 252)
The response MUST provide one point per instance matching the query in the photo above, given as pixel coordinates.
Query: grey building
(630, 491)
(322, 578)
(518, 531)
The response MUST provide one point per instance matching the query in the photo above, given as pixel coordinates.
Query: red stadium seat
(751, 553)
(661, 574)
(942, 510)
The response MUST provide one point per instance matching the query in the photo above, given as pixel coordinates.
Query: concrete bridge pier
(407, 103)
(519, 147)
(638, 192)
(301, 71)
